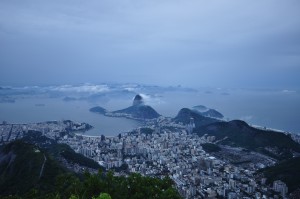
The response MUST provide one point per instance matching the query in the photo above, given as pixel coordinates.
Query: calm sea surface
(278, 110)
(26, 111)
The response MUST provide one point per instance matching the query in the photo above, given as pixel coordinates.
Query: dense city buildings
(163, 148)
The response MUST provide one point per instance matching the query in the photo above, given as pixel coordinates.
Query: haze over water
(197, 44)
(26, 111)
(278, 109)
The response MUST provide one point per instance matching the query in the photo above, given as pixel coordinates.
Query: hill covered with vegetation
(184, 116)
(98, 109)
(239, 134)
(288, 171)
(24, 167)
(29, 171)
(209, 147)
(140, 112)
(57, 150)
(208, 112)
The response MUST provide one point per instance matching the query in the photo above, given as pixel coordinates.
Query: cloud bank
(230, 43)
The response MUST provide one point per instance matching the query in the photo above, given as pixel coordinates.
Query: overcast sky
(195, 43)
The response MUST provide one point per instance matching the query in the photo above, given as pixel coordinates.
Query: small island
(138, 111)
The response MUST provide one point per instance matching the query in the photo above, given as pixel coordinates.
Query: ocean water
(277, 109)
(27, 111)
(272, 109)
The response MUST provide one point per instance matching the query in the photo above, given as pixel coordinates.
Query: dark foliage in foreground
(134, 187)
(21, 169)
(22, 176)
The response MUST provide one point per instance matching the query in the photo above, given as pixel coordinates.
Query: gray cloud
(195, 43)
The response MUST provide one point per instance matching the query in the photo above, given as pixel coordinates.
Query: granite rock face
(138, 100)
(139, 110)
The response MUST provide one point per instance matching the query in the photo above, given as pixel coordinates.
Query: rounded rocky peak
(138, 100)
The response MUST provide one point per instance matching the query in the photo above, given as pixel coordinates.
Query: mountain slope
(239, 133)
(184, 116)
(212, 113)
(207, 112)
(21, 165)
(24, 166)
(288, 171)
(140, 112)
(59, 150)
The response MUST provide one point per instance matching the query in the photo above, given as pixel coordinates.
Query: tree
(103, 196)
(73, 197)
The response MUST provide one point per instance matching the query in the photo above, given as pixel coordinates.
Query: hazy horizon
(272, 108)
(232, 44)
(225, 49)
